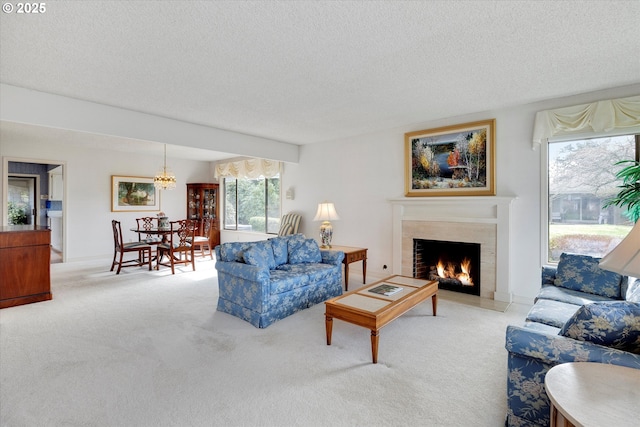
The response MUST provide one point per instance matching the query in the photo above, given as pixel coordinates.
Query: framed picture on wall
(454, 160)
(134, 194)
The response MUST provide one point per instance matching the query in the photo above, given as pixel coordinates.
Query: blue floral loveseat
(581, 314)
(265, 281)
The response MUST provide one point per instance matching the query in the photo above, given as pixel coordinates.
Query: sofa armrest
(248, 272)
(332, 257)
(548, 275)
(555, 349)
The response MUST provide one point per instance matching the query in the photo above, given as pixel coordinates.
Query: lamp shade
(625, 258)
(326, 212)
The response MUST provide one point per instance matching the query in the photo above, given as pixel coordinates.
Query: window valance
(248, 168)
(596, 117)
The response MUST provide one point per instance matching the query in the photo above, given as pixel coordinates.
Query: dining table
(163, 232)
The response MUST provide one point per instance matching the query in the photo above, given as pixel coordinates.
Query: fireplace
(456, 265)
(481, 220)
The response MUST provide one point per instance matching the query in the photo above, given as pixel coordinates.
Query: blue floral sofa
(265, 281)
(581, 314)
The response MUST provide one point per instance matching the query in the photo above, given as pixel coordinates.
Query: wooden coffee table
(373, 311)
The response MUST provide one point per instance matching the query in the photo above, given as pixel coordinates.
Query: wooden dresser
(25, 255)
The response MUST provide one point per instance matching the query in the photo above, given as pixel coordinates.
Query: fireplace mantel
(465, 211)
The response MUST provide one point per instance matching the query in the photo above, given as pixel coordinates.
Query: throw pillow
(582, 273)
(301, 251)
(279, 247)
(613, 324)
(260, 255)
(285, 230)
(234, 251)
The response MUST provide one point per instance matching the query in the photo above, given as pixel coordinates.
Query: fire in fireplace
(456, 265)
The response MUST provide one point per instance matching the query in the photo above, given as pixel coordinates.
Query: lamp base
(326, 233)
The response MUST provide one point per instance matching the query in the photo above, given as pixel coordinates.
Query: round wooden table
(593, 394)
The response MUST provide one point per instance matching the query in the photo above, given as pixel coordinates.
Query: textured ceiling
(305, 72)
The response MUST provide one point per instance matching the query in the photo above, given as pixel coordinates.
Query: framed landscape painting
(133, 194)
(454, 160)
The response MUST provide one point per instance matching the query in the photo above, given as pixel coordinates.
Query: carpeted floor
(149, 349)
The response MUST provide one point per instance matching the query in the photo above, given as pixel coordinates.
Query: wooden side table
(593, 394)
(352, 254)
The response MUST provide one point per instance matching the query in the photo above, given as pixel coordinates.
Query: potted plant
(629, 195)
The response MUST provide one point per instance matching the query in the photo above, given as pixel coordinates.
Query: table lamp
(625, 258)
(326, 212)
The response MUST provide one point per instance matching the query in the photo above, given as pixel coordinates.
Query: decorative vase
(163, 222)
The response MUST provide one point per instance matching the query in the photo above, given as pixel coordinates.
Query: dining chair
(143, 250)
(147, 223)
(204, 239)
(179, 243)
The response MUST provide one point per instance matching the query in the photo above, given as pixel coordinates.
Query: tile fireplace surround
(483, 220)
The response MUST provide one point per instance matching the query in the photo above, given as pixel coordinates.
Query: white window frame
(544, 184)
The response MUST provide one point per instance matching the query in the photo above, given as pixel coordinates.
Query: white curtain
(248, 168)
(597, 117)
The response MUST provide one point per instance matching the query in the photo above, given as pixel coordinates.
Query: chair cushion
(135, 245)
(613, 324)
(582, 273)
(260, 255)
(304, 251)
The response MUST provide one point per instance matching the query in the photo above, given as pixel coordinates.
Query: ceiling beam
(44, 109)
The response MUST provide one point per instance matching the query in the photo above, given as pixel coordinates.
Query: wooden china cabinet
(203, 201)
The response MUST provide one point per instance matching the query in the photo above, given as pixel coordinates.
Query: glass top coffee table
(373, 310)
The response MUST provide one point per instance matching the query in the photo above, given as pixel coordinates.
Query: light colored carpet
(149, 349)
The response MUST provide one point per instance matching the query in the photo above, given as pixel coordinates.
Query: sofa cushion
(582, 273)
(234, 251)
(552, 313)
(304, 251)
(284, 281)
(260, 255)
(541, 327)
(568, 295)
(613, 324)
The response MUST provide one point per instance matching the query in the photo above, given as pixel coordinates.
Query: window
(581, 177)
(252, 204)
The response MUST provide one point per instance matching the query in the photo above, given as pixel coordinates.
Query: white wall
(87, 177)
(361, 174)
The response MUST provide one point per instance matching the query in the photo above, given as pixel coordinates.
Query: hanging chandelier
(165, 180)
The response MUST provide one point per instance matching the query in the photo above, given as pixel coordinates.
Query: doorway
(33, 194)
(22, 203)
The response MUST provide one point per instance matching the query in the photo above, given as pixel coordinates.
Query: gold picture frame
(134, 194)
(456, 160)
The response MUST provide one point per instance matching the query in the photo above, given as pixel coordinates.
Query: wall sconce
(290, 194)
